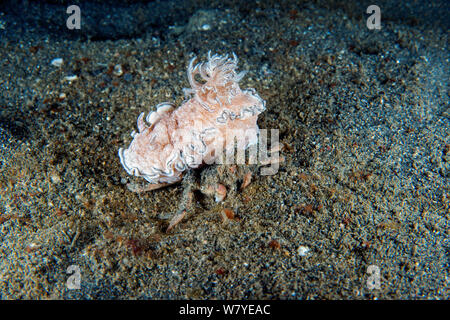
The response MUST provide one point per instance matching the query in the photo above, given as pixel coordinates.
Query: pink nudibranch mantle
(172, 140)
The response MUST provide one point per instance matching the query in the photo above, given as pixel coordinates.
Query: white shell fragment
(303, 251)
(118, 70)
(71, 78)
(57, 62)
(206, 27)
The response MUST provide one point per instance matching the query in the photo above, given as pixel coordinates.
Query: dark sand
(363, 116)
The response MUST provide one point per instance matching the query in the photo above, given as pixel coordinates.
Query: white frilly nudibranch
(171, 140)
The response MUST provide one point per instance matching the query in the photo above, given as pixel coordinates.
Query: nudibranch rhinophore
(172, 140)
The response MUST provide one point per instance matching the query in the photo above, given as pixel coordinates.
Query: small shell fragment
(71, 78)
(57, 62)
(302, 251)
(118, 71)
(206, 27)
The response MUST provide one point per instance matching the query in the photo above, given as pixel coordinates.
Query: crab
(216, 117)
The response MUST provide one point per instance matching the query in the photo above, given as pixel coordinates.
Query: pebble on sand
(57, 62)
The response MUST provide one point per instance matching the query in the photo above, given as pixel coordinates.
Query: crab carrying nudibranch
(172, 140)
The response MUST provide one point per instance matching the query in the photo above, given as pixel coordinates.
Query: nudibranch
(172, 140)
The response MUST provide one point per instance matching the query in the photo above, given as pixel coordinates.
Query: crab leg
(187, 202)
(138, 188)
